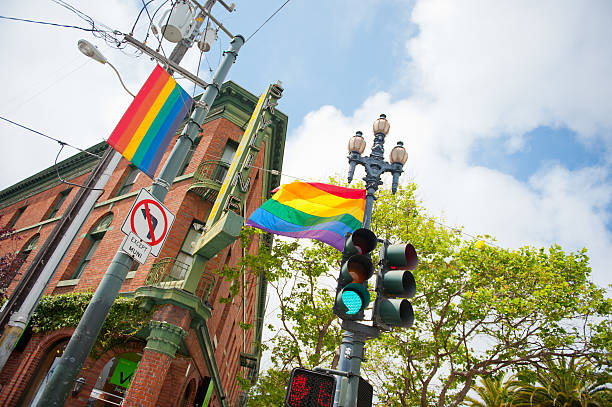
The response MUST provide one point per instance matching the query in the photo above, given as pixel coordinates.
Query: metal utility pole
(63, 378)
(30, 289)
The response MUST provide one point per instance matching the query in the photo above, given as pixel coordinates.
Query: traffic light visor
(362, 241)
(402, 256)
(399, 282)
(397, 312)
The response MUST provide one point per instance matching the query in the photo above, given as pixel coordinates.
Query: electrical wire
(152, 19)
(63, 143)
(265, 22)
(109, 35)
(139, 14)
(48, 23)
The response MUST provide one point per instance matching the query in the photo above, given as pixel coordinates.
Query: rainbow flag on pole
(148, 125)
(312, 210)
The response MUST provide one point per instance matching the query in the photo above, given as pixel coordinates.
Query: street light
(88, 49)
(375, 165)
(351, 350)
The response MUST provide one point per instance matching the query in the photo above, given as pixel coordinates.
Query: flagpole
(62, 380)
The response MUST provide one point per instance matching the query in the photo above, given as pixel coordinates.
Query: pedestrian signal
(310, 389)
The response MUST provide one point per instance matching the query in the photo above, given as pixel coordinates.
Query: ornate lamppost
(351, 349)
(375, 165)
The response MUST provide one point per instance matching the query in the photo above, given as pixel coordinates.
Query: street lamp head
(398, 155)
(357, 143)
(381, 125)
(88, 49)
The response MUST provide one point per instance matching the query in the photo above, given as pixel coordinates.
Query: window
(114, 380)
(27, 249)
(189, 156)
(129, 180)
(184, 259)
(94, 237)
(16, 216)
(58, 203)
(224, 162)
(42, 374)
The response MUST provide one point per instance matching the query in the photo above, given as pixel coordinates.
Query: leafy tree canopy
(480, 309)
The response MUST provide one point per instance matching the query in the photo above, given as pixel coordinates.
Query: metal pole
(62, 380)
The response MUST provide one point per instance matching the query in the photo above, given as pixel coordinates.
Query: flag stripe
(314, 201)
(134, 106)
(342, 192)
(148, 119)
(152, 132)
(140, 113)
(297, 217)
(333, 239)
(167, 130)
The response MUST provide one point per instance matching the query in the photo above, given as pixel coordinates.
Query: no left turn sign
(150, 220)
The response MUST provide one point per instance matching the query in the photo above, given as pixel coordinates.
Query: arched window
(43, 374)
(94, 237)
(114, 380)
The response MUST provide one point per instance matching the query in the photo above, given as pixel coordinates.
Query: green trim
(178, 297)
(165, 337)
(69, 168)
(67, 283)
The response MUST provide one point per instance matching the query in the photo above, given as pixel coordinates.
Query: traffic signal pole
(355, 334)
(63, 378)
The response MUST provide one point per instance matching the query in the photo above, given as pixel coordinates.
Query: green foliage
(480, 309)
(494, 392)
(125, 319)
(565, 383)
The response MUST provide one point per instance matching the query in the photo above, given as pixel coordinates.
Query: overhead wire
(109, 35)
(268, 19)
(47, 23)
(63, 143)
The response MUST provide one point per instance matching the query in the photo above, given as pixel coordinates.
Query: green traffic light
(352, 302)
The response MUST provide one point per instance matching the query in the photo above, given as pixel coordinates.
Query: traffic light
(394, 284)
(310, 389)
(352, 295)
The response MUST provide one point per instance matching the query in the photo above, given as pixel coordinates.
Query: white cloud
(492, 69)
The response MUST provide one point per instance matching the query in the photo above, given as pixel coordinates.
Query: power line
(48, 23)
(63, 143)
(265, 22)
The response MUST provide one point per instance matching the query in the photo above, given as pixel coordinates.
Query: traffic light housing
(352, 295)
(310, 389)
(395, 283)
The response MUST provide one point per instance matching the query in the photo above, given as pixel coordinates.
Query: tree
(480, 309)
(494, 392)
(10, 261)
(564, 383)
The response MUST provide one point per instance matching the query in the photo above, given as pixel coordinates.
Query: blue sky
(504, 107)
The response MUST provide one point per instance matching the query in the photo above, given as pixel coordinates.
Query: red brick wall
(187, 206)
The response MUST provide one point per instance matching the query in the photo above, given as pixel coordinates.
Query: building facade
(218, 328)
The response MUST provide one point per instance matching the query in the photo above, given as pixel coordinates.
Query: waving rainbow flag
(148, 125)
(312, 210)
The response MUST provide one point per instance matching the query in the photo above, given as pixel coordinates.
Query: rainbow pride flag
(149, 124)
(312, 210)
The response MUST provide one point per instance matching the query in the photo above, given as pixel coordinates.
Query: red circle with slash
(146, 203)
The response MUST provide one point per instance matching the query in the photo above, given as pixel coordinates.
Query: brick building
(219, 333)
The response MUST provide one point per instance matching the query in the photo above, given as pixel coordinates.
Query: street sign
(136, 248)
(149, 220)
(310, 389)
